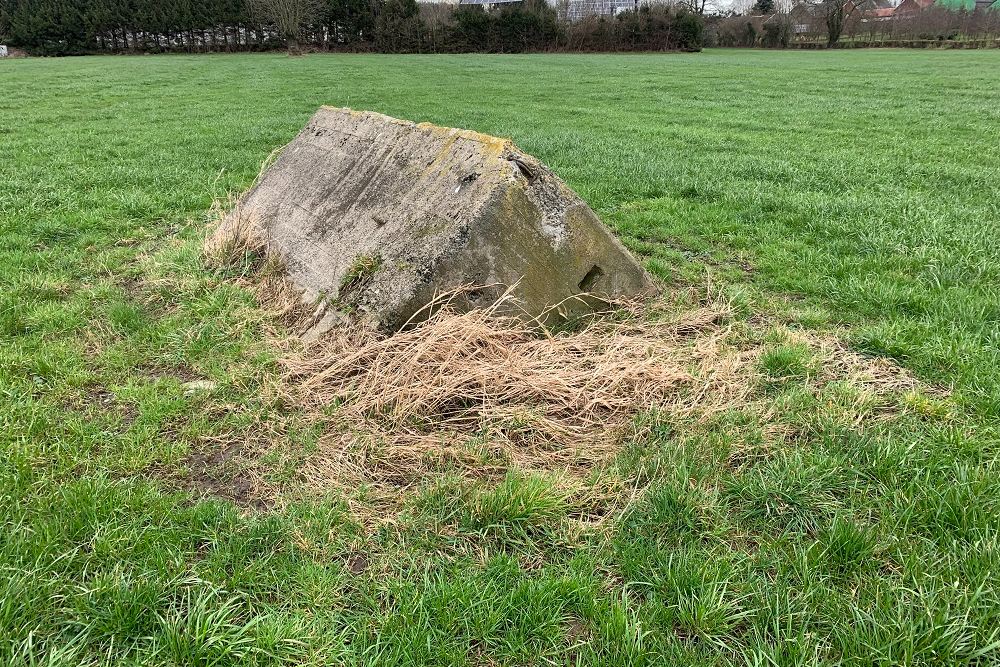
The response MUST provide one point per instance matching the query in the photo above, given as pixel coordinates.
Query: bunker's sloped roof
(381, 215)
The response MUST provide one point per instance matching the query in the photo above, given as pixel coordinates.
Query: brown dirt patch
(357, 563)
(97, 399)
(218, 473)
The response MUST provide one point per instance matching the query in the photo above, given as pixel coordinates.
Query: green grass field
(853, 194)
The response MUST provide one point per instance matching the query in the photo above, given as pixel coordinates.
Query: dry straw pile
(479, 392)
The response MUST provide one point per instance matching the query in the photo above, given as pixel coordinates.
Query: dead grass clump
(241, 252)
(481, 392)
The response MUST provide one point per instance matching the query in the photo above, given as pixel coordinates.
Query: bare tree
(835, 14)
(289, 17)
(696, 6)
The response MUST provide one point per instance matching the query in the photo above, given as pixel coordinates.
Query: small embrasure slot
(591, 279)
(524, 169)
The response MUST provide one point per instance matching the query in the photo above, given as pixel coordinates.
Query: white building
(578, 9)
(572, 10)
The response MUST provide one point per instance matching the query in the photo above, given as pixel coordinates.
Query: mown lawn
(854, 194)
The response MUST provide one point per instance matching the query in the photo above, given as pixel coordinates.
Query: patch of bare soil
(218, 473)
(97, 399)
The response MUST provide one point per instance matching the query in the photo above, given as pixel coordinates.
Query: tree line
(853, 22)
(69, 27)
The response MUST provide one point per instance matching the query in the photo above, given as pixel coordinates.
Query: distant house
(487, 3)
(578, 9)
(880, 9)
(806, 18)
(869, 10)
(911, 7)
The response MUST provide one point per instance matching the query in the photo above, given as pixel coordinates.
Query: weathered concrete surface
(380, 215)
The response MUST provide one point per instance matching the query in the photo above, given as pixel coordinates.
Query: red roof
(910, 6)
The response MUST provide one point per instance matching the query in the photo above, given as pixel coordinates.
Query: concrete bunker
(377, 216)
